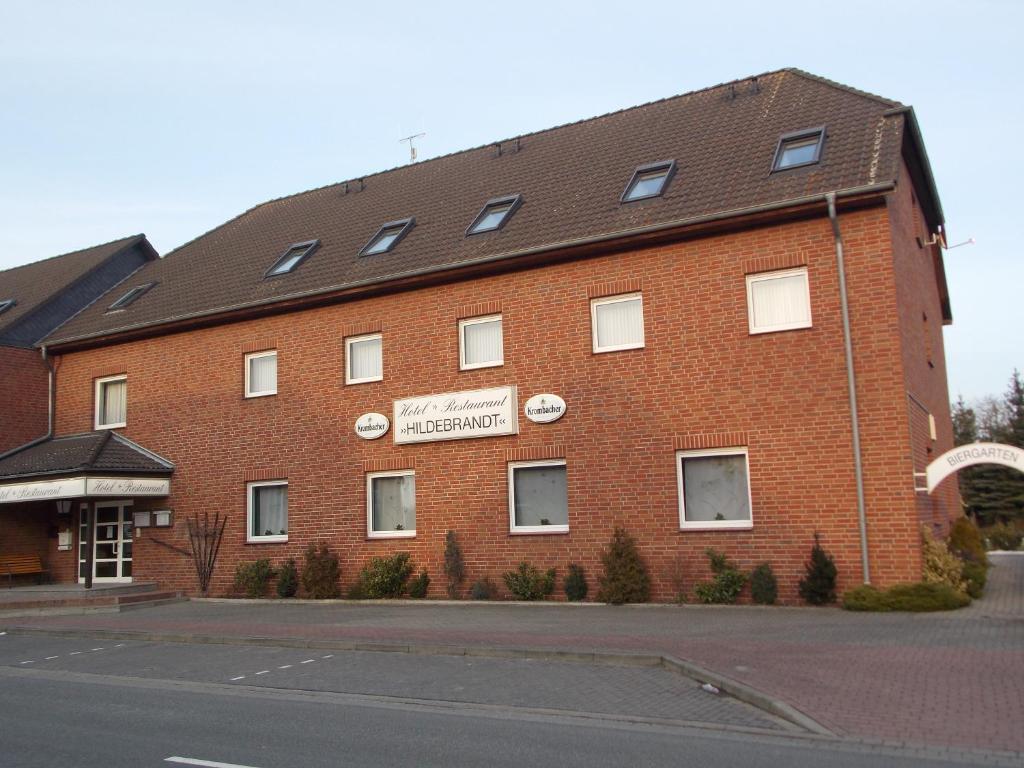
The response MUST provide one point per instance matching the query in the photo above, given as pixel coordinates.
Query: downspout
(851, 383)
(51, 397)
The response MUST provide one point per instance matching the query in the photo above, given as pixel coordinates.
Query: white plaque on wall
(544, 408)
(457, 415)
(370, 426)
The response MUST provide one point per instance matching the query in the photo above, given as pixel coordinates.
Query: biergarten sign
(543, 409)
(370, 426)
(457, 416)
(968, 455)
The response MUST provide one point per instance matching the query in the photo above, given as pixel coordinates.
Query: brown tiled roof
(90, 452)
(723, 140)
(33, 284)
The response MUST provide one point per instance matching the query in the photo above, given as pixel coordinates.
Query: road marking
(119, 645)
(97, 649)
(240, 677)
(285, 666)
(307, 661)
(328, 656)
(2, 634)
(52, 657)
(26, 662)
(205, 763)
(74, 653)
(263, 672)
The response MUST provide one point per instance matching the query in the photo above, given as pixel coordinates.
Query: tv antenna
(412, 147)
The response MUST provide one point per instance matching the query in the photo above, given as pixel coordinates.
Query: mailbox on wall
(162, 518)
(141, 519)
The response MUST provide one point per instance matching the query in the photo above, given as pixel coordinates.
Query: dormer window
(649, 180)
(6, 304)
(130, 297)
(290, 259)
(799, 148)
(387, 237)
(494, 214)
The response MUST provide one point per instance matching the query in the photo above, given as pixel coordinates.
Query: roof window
(649, 181)
(387, 237)
(130, 297)
(291, 258)
(6, 304)
(799, 148)
(494, 214)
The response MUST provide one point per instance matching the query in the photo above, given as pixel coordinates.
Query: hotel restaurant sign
(457, 416)
(78, 487)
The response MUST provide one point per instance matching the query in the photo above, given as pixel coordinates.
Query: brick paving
(951, 679)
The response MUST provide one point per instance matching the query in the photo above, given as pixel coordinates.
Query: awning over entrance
(91, 464)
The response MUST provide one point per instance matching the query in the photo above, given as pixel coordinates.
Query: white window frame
(250, 494)
(710, 525)
(761, 277)
(248, 373)
(370, 533)
(99, 401)
(349, 341)
(534, 529)
(595, 303)
(463, 365)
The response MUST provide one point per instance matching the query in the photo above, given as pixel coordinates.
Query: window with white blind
(364, 360)
(261, 374)
(267, 518)
(391, 504)
(714, 488)
(538, 499)
(778, 301)
(111, 402)
(480, 342)
(617, 322)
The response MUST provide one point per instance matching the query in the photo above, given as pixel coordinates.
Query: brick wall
(23, 397)
(701, 379)
(30, 529)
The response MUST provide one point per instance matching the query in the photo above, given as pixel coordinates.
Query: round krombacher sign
(969, 455)
(370, 426)
(544, 408)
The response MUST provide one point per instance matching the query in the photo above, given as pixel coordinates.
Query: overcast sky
(170, 118)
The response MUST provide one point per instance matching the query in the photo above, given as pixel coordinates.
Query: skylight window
(130, 297)
(649, 181)
(494, 214)
(291, 258)
(798, 149)
(387, 237)
(6, 304)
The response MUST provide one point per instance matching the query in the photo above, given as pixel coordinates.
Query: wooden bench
(20, 565)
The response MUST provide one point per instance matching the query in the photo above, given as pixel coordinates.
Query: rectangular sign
(78, 487)
(457, 416)
(45, 489)
(127, 486)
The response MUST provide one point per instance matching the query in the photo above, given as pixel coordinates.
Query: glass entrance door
(112, 542)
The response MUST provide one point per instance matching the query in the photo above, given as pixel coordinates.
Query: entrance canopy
(91, 464)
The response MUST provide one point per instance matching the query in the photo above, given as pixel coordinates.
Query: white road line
(263, 672)
(96, 649)
(119, 645)
(52, 657)
(285, 666)
(2, 634)
(26, 662)
(240, 677)
(205, 763)
(74, 653)
(307, 661)
(328, 656)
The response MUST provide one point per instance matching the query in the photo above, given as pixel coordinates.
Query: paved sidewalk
(952, 679)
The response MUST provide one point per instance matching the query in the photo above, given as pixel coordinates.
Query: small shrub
(483, 589)
(386, 577)
(965, 541)
(288, 579)
(253, 578)
(528, 583)
(575, 583)
(418, 587)
(726, 584)
(625, 578)
(320, 572)
(940, 565)
(818, 587)
(764, 587)
(454, 566)
(975, 576)
(918, 597)
(1003, 536)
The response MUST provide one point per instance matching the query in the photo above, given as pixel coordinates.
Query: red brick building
(637, 320)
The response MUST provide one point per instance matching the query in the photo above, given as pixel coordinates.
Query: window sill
(363, 381)
(779, 328)
(266, 539)
(477, 366)
(539, 530)
(121, 425)
(391, 534)
(622, 348)
(252, 395)
(740, 525)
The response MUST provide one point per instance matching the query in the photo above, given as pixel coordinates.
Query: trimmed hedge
(919, 598)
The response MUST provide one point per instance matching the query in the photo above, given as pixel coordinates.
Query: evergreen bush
(965, 541)
(1004, 536)
(386, 577)
(940, 565)
(454, 566)
(288, 579)
(528, 583)
(575, 583)
(253, 578)
(818, 587)
(320, 572)
(764, 587)
(418, 587)
(975, 576)
(483, 588)
(918, 597)
(727, 583)
(625, 578)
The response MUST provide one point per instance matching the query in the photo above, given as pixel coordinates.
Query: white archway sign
(969, 455)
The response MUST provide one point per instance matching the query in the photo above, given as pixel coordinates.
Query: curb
(727, 685)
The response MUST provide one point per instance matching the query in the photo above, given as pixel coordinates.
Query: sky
(170, 118)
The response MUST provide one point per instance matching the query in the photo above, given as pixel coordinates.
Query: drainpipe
(851, 383)
(51, 397)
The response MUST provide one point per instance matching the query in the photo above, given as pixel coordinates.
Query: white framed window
(778, 301)
(538, 498)
(261, 373)
(111, 402)
(267, 512)
(714, 489)
(391, 504)
(480, 342)
(364, 359)
(617, 322)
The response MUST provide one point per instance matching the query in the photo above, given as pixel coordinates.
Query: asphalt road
(72, 702)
